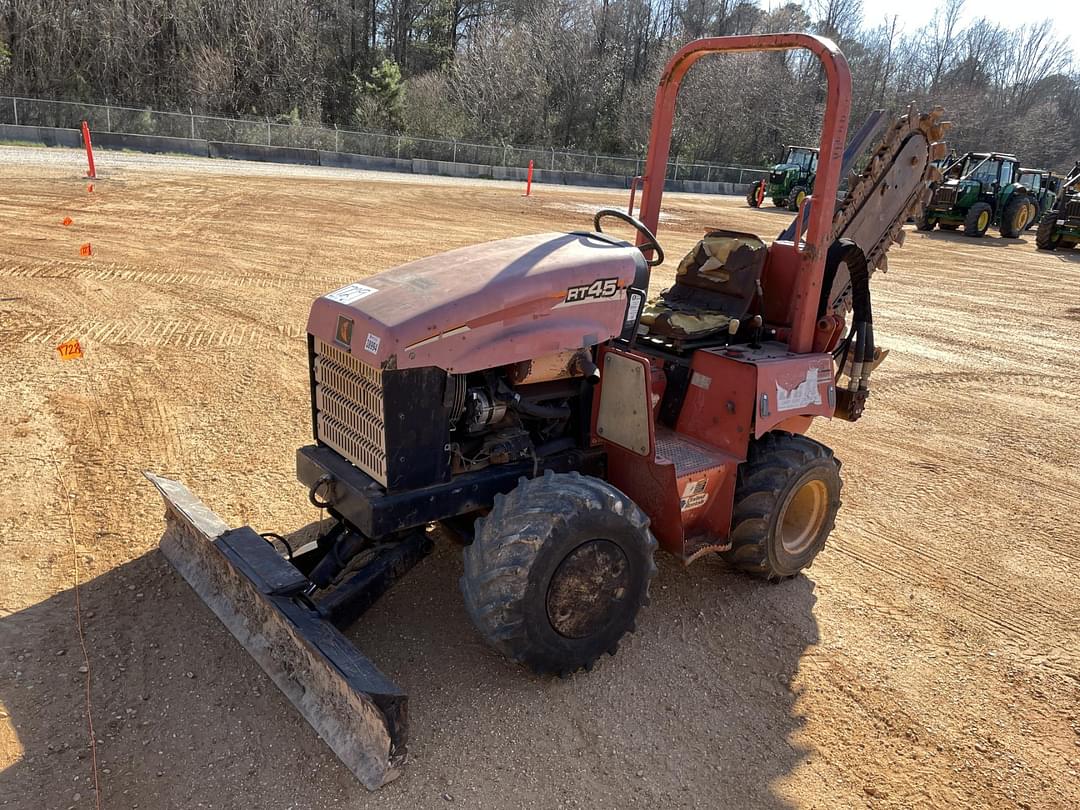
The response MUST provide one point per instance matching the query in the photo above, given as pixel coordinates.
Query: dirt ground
(930, 659)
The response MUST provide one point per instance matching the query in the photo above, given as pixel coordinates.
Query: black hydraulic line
(268, 536)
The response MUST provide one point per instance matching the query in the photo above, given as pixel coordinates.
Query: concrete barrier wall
(346, 160)
(266, 154)
(51, 136)
(155, 144)
(447, 168)
(47, 136)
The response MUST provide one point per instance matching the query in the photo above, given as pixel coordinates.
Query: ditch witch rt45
(524, 393)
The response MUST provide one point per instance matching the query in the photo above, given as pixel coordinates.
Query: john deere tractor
(789, 182)
(1042, 186)
(1060, 225)
(980, 189)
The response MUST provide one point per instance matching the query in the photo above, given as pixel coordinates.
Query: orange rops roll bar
(807, 292)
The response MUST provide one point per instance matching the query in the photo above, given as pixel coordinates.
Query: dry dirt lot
(930, 659)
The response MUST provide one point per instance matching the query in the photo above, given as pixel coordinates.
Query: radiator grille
(1072, 209)
(944, 197)
(349, 405)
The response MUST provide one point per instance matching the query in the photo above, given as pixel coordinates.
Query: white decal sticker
(634, 308)
(372, 343)
(694, 501)
(351, 293)
(701, 381)
(694, 487)
(802, 395)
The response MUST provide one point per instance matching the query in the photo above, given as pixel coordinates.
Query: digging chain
(927, 126)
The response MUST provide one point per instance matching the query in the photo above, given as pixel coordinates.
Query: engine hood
(486, 305)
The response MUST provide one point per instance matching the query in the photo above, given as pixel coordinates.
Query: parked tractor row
(984, 189)
(1060, 225)
(979, 190)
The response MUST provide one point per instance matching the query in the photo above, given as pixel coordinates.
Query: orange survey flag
(86, 250)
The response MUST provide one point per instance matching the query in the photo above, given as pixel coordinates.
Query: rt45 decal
(601, 288)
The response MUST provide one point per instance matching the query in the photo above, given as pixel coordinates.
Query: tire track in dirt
(172, 332)
(61, 269)
(1051, 383)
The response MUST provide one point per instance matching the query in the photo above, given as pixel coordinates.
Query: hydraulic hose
(860, 342)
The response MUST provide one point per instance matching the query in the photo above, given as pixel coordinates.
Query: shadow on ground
(991, 239)
(696, 708)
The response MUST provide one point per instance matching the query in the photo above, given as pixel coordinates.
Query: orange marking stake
(86, 250)
(90, 189)
(66, 221)
(70, 350)
(90, 171)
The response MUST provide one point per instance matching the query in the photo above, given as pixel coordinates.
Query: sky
(914, 14)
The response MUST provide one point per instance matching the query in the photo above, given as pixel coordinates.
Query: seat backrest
(720, 274)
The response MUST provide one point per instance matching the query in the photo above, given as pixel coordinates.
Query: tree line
(564, 73)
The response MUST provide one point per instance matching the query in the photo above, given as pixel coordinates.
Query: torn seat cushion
(715, 283)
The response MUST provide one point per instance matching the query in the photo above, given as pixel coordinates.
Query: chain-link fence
(133, 121)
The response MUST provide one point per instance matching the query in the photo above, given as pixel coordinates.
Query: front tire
(558, 572)
(1014, 219)
(787, 494)
(978, 219)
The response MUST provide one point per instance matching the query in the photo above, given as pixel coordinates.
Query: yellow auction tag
(70, 350)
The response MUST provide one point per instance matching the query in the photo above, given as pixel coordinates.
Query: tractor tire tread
(508, 541)
(773, 462)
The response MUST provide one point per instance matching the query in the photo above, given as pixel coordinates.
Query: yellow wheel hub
(1022, 218)
(804, 516)
(984, 220)
(800, 197)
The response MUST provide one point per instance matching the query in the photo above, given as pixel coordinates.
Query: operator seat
(715, 283)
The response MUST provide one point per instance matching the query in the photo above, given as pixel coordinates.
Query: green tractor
(1060, 225)
(1042, 186)
(789, 182)
(980, 189)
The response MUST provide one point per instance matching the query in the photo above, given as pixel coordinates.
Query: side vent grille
(349, 405)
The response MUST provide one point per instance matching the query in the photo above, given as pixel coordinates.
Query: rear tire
(1045, 237)
(558, 572)
(1033, 215)
(1014, 219)
(978, 219)
(752, 195)
(787, 495)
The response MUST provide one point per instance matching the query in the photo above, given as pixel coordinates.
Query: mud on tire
(787, 495)
(558, 572)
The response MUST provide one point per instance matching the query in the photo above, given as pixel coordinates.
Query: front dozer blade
(258, 596)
